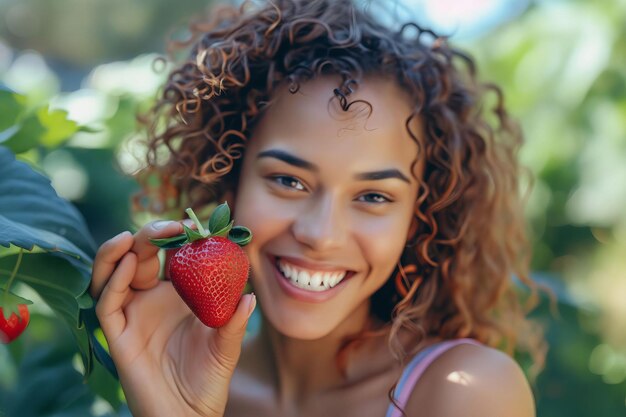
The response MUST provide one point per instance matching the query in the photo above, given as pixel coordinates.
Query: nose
(322, 225)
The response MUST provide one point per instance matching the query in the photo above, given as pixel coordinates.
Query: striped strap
(416, 368)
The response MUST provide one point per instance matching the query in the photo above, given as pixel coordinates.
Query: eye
(288, 182)
(374, 198)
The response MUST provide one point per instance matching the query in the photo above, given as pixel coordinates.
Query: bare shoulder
(472, 380)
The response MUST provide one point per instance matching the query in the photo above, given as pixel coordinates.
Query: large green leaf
(60, 285)
(30, 238)
(33, 217)
(32, 214)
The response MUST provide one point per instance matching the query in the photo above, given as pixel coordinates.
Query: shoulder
(472, 380)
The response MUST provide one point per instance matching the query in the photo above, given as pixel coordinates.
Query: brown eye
(289, 182)
(374, 198)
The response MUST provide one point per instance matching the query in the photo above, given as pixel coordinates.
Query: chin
(302, 329)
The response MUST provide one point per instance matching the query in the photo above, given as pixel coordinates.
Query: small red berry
(11, 328)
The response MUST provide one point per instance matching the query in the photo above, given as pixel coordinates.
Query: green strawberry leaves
(171, 242)
(240, 235)
(220, 218)
(219, 225)
(10, 303)
(192, 235)
(223, 232)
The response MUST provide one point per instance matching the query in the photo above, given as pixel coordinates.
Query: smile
(310, 280)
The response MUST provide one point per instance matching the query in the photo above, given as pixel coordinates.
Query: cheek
(260, 213)
(382, 243)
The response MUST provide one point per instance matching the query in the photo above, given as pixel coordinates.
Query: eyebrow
(383, 175)
(288, 158)
(301, 163)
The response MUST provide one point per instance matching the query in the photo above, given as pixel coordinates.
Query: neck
(303, 369)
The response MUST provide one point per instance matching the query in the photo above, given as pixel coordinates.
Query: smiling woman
(385, 220)
(317, 208)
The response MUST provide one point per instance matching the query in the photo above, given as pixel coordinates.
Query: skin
(321, 214)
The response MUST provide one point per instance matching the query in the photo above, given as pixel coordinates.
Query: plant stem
(14, 272)
(193, 217)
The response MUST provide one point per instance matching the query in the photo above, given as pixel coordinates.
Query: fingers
(106, 261)
(114, 297)
(154, 230)
(229, 337)
(147, 262)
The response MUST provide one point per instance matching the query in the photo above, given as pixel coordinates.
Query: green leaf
(33, 217)
(11, 108)
(219, 218)
(98, 342)
(57, 126)
(85, 301)
(32, 214)
(224, 231)
(43, 127)
(240, 235)
(29, 238)
(8, 133)
(60, 285)
(192, 235)
(170, 242)
(10, 303)
(27, 135)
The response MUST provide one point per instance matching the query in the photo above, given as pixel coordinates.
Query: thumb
(229, 337)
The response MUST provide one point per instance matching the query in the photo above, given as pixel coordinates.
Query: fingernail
(161, 224)
(251, 304)
(189, 223)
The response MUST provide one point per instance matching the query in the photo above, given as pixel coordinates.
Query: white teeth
(333, 280)
(312, 281)
(316, 279)
(304, 278)
(326, 279)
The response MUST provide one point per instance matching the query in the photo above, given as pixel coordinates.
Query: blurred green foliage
(110, 30)
(560, 65)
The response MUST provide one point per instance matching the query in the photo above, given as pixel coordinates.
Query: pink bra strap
(416, 368)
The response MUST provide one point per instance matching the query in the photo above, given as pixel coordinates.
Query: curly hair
(468, 240)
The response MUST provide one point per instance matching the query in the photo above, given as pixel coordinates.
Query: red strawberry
(14, 314)
(209, 270)
(14, 325)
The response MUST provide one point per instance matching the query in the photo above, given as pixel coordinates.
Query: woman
(385, 220)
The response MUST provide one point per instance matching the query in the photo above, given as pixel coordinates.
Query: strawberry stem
(193, 217)
(14, 272)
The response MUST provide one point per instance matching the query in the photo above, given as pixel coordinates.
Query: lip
(304, 295)
(310, 266)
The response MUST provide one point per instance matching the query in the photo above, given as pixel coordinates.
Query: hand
(169, 363)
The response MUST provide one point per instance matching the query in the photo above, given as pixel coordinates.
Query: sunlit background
(560, 64)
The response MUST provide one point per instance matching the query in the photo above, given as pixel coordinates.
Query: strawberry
(14, 325)
(14, 314)
(209, 270)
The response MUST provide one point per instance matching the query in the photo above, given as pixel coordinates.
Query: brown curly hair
(455, 277)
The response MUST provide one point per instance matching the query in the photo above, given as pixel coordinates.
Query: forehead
(312, 124)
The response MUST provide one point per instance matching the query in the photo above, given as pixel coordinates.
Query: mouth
(310, 279)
